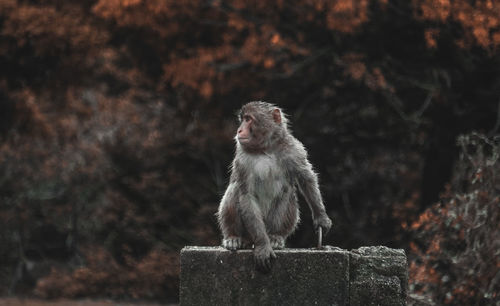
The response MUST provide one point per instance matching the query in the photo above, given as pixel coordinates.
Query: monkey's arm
(251, 217)
(254, 224)
(307, 181)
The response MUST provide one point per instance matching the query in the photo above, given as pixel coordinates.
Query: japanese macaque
(260, 206)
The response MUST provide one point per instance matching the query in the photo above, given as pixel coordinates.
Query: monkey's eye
(247, 118)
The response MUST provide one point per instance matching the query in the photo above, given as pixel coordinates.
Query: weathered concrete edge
(364, 252)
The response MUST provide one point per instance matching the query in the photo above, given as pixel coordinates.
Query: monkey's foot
(232, 243)
(277, 242)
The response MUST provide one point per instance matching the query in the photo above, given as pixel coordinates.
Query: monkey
(259, 206)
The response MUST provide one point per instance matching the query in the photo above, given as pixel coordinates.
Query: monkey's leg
(282, 219)
(277, 242)
(230, 220)
(232, 228)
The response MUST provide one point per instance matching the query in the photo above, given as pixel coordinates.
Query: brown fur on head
(261, 123)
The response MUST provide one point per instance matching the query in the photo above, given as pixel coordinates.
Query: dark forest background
(117, 118)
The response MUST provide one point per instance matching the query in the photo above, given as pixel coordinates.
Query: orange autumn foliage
(480, 20)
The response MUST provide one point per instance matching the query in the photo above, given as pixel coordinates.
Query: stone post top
(287, 250)
(378, 250)
(366, 251)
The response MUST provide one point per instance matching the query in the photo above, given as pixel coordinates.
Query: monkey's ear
(277, 115)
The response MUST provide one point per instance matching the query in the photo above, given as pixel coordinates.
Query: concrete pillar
(330, 276)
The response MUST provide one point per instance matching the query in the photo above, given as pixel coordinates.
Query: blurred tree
(454, 258)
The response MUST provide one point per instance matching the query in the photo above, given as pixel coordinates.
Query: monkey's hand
(263, 256)
(324, 222)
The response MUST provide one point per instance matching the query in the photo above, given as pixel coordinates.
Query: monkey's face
(252, 134)
(258, 122)
(245, 134)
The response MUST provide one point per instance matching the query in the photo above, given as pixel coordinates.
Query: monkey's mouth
(243, 139)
